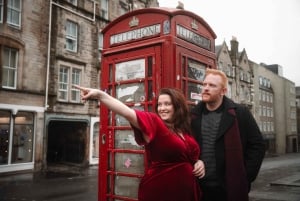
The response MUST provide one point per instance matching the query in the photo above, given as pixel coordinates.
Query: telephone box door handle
(103, 139)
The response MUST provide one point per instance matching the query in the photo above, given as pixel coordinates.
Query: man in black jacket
(231, 142)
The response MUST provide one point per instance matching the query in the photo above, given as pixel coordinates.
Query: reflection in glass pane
(121, 121)
(131, 92)
(194, 91)
(130, 70)
(196, 70)
(124, 139)
(126, 186)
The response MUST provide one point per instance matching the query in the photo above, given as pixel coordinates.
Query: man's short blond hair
(220, 73)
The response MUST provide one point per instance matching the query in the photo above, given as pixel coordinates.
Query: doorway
(66, 142)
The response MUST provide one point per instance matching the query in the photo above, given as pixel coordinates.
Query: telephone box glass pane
(130, 70)
(134, 92)
(183, 59)
(124, 139)
(121, 121)
(196, 70)
(194, 91)
(126, 186)
(150, 90)
(150, 65)
(129, 163)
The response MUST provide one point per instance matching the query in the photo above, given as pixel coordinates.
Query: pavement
(278, 180)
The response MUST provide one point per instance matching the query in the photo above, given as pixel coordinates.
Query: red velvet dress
(168, 176)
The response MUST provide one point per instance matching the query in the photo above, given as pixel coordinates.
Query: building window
(1, 11)
(74, 2)
(221, 66)
(260, 81)
(67, 77)
(14, 12)
(71, 36)
(100, 45)
(9, 68)
(104, 8)
(260, 110)
(229, 90)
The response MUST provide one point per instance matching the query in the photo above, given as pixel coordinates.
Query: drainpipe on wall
(49, 41)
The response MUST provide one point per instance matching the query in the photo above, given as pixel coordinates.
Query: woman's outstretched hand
(88, 93)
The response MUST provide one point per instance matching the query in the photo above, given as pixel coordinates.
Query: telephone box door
(131, 77)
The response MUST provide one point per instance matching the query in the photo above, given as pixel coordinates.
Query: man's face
(212, 89)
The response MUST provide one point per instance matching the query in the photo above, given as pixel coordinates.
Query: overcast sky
(269, 30)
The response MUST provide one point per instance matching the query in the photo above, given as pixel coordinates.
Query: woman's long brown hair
(180, 121)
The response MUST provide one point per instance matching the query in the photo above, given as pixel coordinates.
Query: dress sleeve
(149, 123)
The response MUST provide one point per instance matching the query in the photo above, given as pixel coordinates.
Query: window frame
(9, 67)
(73, 2)
(1, 10)
(67, 79)
(14, 10)
(104, 9)
(71, 37)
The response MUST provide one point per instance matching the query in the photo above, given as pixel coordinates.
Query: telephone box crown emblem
(134, 22)
(194, 24)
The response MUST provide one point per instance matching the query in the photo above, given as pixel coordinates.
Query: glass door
(132, 82)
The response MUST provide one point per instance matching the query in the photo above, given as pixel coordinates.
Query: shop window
(4, 136)
(22, 148)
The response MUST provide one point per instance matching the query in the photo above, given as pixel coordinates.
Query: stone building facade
(46, 47)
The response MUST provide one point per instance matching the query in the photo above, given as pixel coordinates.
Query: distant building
(269, 96)
(298, 111)
(275, 68)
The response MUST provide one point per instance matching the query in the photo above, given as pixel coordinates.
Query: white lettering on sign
(135, 34)
(192, 37)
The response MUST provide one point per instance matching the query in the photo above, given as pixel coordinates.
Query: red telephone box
(145, 50)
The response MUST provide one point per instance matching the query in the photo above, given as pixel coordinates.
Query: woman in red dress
(172, 152)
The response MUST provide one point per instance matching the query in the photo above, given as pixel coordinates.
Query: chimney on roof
(234, 51)
(180, 5)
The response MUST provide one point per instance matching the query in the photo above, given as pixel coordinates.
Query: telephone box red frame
(152, 48)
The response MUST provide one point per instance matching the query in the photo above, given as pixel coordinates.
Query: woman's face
(165, 107)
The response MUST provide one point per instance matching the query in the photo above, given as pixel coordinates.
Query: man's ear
(224, 91)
